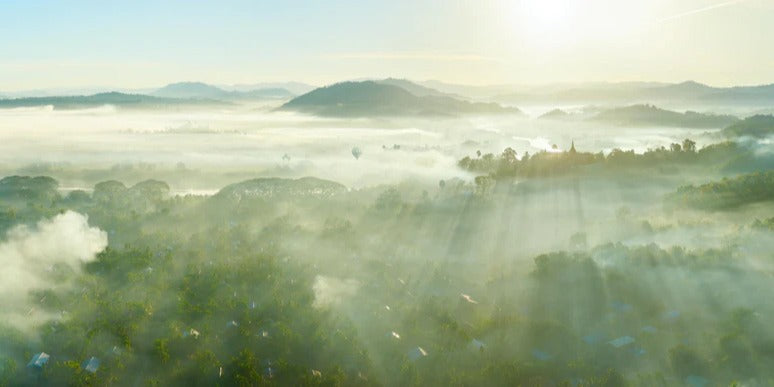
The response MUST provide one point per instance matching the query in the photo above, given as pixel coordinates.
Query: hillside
(113, 98)
(727, 193)
(643, 115)
(763, 94)
(556, 114)
(199, 90)
(417, 89)
(641, 92)
(278, 188)
(755, 126)
(369, 98)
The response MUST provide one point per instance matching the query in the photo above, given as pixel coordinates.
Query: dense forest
(308, 282)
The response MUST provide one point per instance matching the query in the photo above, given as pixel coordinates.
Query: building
(39, 360)
(91, 365)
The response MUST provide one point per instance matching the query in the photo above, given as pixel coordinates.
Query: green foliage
(727, 193)
(389, 200)
(755, 126)
(552, 164)
(652, 115)
(369, 98)
(233, 292)
(766, 224)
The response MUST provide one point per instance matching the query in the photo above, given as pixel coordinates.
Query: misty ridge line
(546, 193)
(396, 97)
(505, 260)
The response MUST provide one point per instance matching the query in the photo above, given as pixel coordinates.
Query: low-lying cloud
(31, 255)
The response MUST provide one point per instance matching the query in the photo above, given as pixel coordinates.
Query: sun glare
(547, 22)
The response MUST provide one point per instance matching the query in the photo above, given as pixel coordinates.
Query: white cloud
(28, 255)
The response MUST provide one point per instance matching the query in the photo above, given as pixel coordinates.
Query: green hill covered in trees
(121, 100)
(369, 98)
(649, 115)
(756, 126)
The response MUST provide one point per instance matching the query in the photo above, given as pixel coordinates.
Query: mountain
(687, 89)
(741, 94)
(641, 92)
(295, 88)
(113, 98)
(556, 114)
(642, 115)
(616, 92)
(266, 93)
(469, 90)
(190, 90)
(416, 89)
(756, 126)
(369, 98)
(201, 90)
(70, 91)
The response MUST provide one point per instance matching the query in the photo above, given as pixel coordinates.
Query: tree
(689, 146)
(161, 349)
(389, 200)
(108, 190)
(509, 155)
(483, 184)
(244, 369)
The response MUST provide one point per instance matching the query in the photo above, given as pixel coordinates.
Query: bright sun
(547, 22)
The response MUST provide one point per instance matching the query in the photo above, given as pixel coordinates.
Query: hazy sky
(143, 43)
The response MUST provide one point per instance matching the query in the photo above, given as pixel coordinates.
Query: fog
(242, 245)
(218, 146)
(43, 257)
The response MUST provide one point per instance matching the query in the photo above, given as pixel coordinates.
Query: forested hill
(122, 100)
(641, 115)
(369, 98)
(201, 90)
(755, 126)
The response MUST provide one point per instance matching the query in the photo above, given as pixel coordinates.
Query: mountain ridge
(645, 114)
(100, 99)
(201, 90)
(371, 98)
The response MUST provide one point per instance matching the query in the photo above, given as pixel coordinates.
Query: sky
(142, 43)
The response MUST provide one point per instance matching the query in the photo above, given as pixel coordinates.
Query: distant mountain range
(175, 94)
(390, 97)
(122, 100)
(201, 90)
(649, 115)
(396, 97)
(633, 92)
(556, 114)
(268, 90)
(470, 91)
(417, 89)
(296, 88)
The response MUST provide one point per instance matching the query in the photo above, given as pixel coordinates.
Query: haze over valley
(571, 194)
